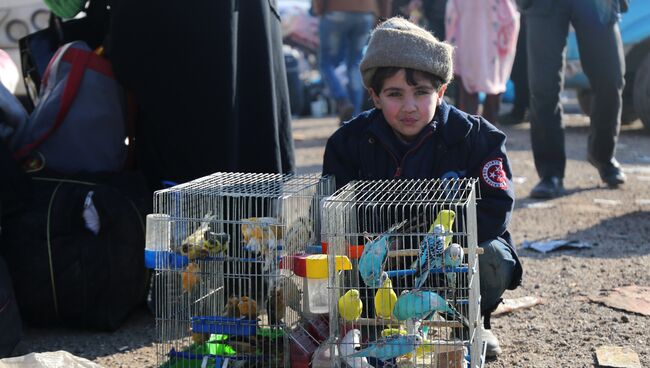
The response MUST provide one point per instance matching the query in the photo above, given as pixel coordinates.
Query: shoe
(513, 118)
(549, 187)
(610, 172)
(492, 348)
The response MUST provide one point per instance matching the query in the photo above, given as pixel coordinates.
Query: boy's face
(408, 109)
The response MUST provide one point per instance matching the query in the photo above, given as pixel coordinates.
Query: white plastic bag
(53, 359)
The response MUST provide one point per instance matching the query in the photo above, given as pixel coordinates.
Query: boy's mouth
(408, 121)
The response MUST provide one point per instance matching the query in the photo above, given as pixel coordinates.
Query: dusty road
(562, 332)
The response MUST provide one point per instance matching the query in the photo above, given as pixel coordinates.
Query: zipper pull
(398, 172)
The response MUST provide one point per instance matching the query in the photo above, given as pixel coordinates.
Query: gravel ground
(567, 328)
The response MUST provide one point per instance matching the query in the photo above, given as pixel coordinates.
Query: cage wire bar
(411, 233)
(223, 249)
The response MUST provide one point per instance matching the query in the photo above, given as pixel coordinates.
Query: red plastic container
(302, 347)
(318, 327)
(354, 251)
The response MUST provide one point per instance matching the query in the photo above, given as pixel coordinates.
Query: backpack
(75, 251)
(79, 122)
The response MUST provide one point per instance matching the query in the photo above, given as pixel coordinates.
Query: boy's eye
(423, 92)
(393, 94)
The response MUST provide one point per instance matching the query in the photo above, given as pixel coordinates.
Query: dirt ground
(567, 328)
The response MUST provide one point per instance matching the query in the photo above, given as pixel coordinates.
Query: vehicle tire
(628, 116)
(641, 94)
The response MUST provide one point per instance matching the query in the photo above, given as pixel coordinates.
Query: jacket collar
(455, 124)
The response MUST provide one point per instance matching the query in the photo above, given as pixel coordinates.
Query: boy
(412, 133)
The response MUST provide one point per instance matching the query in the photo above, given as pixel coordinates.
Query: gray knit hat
(400, 43)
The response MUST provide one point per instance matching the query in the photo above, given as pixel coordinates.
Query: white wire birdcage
(412, 297)
(223, 249)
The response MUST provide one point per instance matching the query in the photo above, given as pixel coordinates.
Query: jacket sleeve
(489, 163)
(337, 160)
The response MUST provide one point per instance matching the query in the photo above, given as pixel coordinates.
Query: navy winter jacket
(453, 145)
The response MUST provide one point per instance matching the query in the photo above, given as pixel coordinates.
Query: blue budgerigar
(430, 254)
(453, 257)
(371, 263)
(390, 347)
(417, 305)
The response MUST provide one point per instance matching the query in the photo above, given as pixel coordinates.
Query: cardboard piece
(617, 357)
(510, 305)
(633, 298)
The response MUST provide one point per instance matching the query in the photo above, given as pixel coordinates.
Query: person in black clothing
(209, 82)
(601, 54)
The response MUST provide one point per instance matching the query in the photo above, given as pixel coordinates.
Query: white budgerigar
(453, 257)
(351, 343)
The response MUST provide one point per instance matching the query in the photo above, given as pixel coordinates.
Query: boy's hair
(383, 73)
(402, 44)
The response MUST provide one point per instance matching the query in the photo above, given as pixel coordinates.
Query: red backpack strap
(80, 60)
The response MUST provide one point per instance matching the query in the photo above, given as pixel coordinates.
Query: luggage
(75, 251)
(79, 122)
(10, 323)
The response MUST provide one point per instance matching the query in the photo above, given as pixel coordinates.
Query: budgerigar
(446, 219)
(417, 305)
(390, 347)
(433, 245)
(453, 257)
(350, 305)
(430, 254)
(374, 254)
(385, 298)
(350, 343)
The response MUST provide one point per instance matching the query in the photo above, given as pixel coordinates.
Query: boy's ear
(375, 98)
(441, 93)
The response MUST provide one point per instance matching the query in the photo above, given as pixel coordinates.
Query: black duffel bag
(64, 273)
(10, 324)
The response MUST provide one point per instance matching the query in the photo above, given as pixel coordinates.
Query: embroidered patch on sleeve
(493, 175)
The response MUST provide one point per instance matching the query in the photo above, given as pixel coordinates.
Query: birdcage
(412, 296)
(223, 248)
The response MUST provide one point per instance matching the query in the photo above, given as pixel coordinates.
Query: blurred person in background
(485, 35)
(601, 54)
(344, 30)
(519, 78)
(429, 14)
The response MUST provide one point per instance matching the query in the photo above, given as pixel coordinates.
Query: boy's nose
(409, 104)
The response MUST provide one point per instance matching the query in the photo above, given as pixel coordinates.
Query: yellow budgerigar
(350, 305)
(446, 219)
(385, 298)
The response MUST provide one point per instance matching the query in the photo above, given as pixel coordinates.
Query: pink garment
(9, 76)
(485, 35)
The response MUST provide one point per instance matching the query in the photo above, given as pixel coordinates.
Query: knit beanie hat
(400, 43)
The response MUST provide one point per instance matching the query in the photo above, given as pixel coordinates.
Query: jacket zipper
(398, 171)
